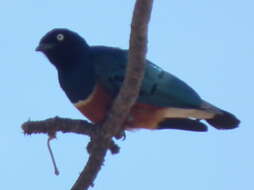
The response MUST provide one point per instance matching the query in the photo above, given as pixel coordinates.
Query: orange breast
(97, 105)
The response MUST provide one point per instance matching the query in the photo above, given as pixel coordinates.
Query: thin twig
(52, 156)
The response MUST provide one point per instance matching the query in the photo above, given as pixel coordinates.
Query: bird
(91, 77)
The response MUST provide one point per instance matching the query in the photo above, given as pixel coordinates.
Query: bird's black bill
(44, 47)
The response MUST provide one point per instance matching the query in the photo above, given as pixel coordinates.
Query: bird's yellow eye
(60, 37)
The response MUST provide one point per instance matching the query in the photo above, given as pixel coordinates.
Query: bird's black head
(62, 46)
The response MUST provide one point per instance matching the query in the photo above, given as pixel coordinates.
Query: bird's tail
(221, 119)
(224, 120)
(183, 124)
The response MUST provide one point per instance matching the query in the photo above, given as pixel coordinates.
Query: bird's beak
(44, 47)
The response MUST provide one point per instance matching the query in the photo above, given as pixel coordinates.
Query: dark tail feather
(224, 120)
(183, 124)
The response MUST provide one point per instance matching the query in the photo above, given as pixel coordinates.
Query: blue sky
(208, 44)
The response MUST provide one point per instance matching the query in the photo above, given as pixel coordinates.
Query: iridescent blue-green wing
(164, 89)
(159, 87)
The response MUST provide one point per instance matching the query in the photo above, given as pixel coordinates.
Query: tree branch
(53, 125)
(127, 95)
(135, 70)
(65, 125)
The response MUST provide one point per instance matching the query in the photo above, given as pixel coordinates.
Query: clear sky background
(209, 44)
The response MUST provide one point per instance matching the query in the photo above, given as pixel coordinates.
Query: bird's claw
(121, 135)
